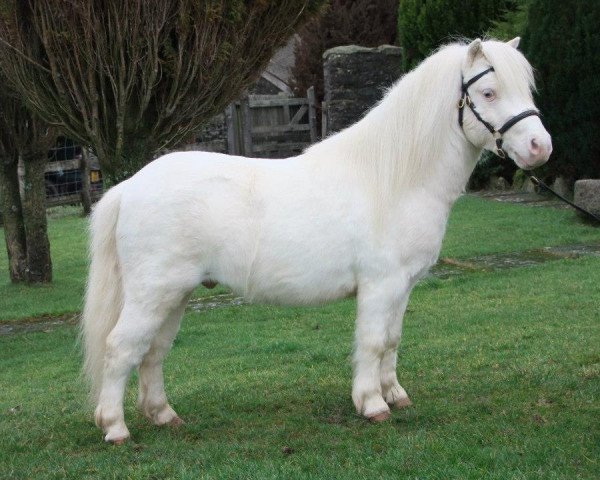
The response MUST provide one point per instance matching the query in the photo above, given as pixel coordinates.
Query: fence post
(324, 120)
(312, 113)
(246, 127)
(84, 169)
(230, 120)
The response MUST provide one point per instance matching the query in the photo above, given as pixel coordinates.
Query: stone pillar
(212, 137)
(587, 195)
(355, 80)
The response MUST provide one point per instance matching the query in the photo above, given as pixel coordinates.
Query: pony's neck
(410, 141)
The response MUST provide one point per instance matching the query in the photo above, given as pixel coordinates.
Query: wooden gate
(271, 126)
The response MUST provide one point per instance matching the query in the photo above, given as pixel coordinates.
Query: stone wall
(587, 195)
(355, 80)
(212, 137)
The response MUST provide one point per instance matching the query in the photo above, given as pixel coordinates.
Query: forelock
(511, 67)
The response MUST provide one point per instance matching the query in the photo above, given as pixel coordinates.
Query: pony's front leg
(393, 393)
(381, 306)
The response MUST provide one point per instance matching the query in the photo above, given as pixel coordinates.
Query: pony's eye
(489, 94)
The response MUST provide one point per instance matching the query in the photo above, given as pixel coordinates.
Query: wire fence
(64, 174)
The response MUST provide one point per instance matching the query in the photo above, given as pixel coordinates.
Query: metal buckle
(461, 103)
(499, 150)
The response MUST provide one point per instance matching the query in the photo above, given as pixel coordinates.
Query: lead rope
(536, 181)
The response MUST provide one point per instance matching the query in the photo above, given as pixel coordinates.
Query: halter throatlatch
(465, 99)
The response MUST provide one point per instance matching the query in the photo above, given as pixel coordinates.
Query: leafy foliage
(424, 25)
(368, 23)
(512, 22)
(563, 44)
(488, 165)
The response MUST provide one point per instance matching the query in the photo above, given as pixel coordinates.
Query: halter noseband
(465, 99)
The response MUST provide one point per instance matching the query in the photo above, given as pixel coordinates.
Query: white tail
(104, 297)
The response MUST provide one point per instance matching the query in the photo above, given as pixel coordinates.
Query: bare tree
(10, 206)
(25, 227)
(130, 78)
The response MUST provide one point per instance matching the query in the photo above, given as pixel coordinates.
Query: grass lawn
(477, 226)
(503, 369)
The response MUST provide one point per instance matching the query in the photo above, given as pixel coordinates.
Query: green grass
(476, 226)
(68, 250)
(503, 369)
(479, 226)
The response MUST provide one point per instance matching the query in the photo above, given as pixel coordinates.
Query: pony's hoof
(176, 422)
(380, 417)
(402, 403)
(118, 441)
(117, 435)
(165, 417)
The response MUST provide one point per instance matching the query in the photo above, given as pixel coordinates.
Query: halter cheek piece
(465, 99)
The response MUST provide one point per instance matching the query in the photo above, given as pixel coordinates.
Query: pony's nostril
(534, 147)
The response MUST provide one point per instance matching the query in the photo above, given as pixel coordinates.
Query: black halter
(465, 99)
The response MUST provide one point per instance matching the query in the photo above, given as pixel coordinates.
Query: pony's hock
(260, 227)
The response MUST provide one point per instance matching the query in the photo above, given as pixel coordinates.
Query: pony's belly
(303, 281)
(298, 293)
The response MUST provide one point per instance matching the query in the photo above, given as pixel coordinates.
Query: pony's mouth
(526, 164)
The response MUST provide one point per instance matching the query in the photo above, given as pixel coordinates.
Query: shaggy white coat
(361, 213)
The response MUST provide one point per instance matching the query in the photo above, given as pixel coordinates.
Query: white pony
(361, 213)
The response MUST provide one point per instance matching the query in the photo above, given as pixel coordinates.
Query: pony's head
(496, 109)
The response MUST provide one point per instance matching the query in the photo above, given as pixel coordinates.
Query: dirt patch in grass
(445, 268)
(43, 323)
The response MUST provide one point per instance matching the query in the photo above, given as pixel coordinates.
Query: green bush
(424, 25)
(563, 45)
(512, 23)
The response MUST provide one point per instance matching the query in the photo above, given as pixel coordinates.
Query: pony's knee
(370, 348)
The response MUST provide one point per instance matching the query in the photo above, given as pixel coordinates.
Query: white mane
(402, 140)
(394, 144)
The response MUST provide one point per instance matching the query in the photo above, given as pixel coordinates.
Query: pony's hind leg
(126, 346)
(152, 398)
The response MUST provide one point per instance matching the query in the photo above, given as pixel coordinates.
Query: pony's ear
(514, 42)
(475, 48)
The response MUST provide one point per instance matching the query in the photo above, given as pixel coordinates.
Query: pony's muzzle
(540, 148)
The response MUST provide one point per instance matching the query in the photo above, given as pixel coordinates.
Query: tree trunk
(12, 215)
(39, 264)
(86, 196)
